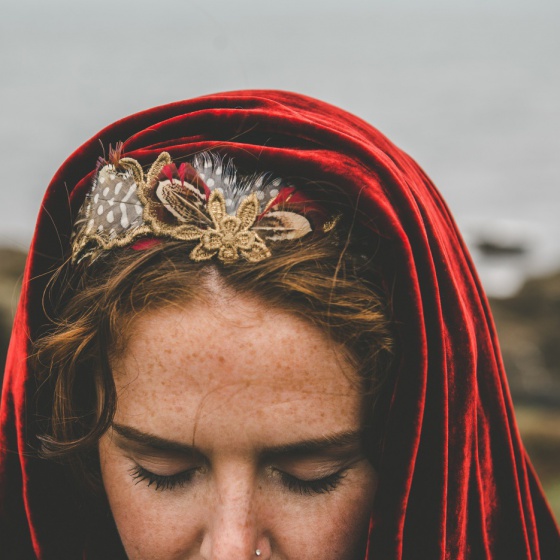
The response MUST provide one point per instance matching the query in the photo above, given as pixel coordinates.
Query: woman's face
(237, 430)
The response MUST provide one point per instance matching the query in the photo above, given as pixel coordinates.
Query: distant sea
(471, 90)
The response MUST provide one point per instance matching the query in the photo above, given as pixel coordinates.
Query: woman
(256, 332)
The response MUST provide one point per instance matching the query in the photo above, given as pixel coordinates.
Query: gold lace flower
(231, 236)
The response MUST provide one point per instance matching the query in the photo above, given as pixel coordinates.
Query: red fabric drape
(455, 481)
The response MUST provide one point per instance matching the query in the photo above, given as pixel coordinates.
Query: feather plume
(220, 174)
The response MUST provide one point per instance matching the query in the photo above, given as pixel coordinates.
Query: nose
(232, 530)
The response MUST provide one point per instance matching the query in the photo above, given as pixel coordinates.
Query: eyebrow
(337, 442)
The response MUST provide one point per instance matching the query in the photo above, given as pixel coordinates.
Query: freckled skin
(232, 377)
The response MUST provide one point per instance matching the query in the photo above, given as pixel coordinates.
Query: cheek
(151, 524)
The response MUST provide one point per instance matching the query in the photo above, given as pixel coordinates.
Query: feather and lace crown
(207, 201)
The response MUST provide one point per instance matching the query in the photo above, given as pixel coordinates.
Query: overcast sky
(469, 88)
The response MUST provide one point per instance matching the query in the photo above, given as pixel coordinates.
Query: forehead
(215, 367)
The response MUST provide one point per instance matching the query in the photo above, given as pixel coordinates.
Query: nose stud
(258, 552)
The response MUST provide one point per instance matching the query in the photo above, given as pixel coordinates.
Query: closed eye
(159, 481)
(310, 487)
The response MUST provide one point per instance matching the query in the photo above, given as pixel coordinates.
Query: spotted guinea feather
(111, 206)
(220, 174)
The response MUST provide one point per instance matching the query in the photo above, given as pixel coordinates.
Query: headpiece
(207, 201)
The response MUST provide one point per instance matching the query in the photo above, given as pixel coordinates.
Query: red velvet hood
(454, 479)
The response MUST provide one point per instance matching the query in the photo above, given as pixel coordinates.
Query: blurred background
(470, 88)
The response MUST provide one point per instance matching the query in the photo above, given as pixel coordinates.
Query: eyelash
(310, 487)
(293, 484)
(159, 481)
